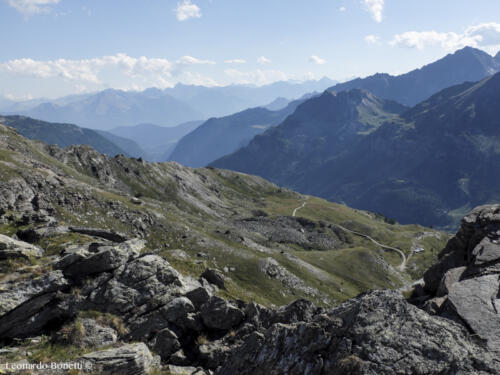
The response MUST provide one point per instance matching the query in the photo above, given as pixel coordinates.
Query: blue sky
(52, 48)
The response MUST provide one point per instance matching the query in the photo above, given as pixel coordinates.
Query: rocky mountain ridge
(465, 65)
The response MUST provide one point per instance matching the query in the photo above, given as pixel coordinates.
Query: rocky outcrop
(179, 324)
(376, 333)
(10, 248)
(465, 282)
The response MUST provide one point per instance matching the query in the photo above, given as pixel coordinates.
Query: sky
(52, 48)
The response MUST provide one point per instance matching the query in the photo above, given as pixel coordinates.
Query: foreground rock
(133, 359)
(10, 249)
(179, 324)
(465, 282)
(376, 333)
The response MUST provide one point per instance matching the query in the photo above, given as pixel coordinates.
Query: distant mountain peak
(497, 57)
(466, 64)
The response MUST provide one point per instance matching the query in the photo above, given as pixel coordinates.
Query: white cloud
(263, 60)
(482, 35)
(376, 8)
(257, 77)
(143, 70)
(190, 60)
(372, 39)
(186, 10)
(235, 61)
(28, 7)
(317, 60)
(342, 9)
(118, 71)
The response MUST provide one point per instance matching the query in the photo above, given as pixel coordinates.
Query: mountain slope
(158, 141)
(63, 135)
(467, 64)
(221, 136)
(242, 225)
(428, 165)
(131, 147)
(319, 129)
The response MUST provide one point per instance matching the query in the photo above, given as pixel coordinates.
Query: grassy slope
(193, 209)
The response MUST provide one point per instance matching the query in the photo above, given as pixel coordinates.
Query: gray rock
(166, 343)
(185, 370)
(96, 335)
(129, 359)
(102, 233)
(221, 314)
(375, 333)
(108, 258)
(16, 291)
(451, 277)
(11, 249)
(486, 251)
(178, 309)
(138, 286)
(476, 302)
(198, 296)
(214, 277)
(32, 235)
(272, 269)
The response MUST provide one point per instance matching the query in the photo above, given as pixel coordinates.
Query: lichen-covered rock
(129, 359)
(11, 248)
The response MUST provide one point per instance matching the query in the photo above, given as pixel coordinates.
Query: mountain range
(467, 64)
(221, 136)
(428, 164)
(111, 108)
(224, 135)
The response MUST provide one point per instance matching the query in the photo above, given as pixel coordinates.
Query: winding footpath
(401, 267)
(294, 213)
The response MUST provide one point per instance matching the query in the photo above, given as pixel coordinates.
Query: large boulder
(108, 258)
(466, 279)
(16, 290)
(11, 249)
(129, 359)
(218, 313)
(27, 306)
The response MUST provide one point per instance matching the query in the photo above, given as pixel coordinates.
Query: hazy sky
(51, 48)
